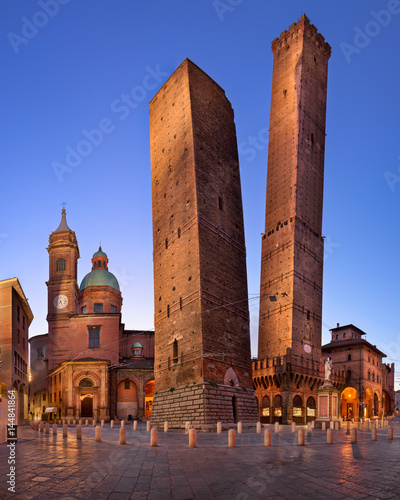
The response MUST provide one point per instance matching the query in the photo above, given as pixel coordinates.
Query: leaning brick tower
(202, 341)
(292, 246)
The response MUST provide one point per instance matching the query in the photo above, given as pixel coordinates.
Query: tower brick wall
(292, 246)
(200, 283)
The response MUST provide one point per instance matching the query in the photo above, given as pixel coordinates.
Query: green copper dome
(137, 344)
(100, 253)
(99, 277)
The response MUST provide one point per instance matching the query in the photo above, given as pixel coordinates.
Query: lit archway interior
(350, 403)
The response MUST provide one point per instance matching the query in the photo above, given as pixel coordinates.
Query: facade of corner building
(94, 368)
(369, 391)
(15, 319)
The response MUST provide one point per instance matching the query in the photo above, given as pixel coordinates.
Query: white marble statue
(328, 369)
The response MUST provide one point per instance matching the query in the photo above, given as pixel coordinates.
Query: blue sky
(65, 74)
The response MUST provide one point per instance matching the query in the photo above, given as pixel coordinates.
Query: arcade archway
(350, 404)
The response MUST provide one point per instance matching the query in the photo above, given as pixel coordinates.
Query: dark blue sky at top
(70, 76)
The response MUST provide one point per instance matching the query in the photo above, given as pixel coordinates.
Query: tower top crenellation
(302, 26)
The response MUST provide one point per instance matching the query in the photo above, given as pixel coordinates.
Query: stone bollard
(359, 425)
(78, 432)
(148, 426)
(219, 427)
(300, 437)
(122, 424)
(187, 427)
(102, 423)
(192, 438)
(97, 433)
(41, 427)
(390, 433)
(135, 425)
(309, 427)
(59, 422)
(165, 426)
(55, 429)
(65, 431)
(86, 422)
(231, 438)
(80, 422)
(374, 434)
(122, 435)
(323, 426)
(354, 435)
(68, 421)
(74, 422)
(337, 425)
(331, 424)
(154, 437)
(239, 427)
(369, 425)
(313, 424)
(94, 423)
(111, 424)
(329, 436)
(258, 427)
(276, 427)
(348, 428)
(267, 437)
(46, 428)
(293, 426)
(352, 420)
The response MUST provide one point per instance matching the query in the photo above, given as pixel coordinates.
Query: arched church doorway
(148, 398)
(350, 404)
(87, 407)
(127, 400)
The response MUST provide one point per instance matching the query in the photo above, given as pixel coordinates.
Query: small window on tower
(98, 308)
(127, 384)
(349, 357)
(84, 310)
(60, 265)
(220, 203)
(40, 353)
(175, 351)
(113, 309)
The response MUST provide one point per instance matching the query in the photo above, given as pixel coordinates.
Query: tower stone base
(203, 405)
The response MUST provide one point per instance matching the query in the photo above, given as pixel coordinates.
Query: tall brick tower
(289, 368)
(292, 246)
(202, 342)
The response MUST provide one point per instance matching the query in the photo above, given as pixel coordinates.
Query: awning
(51, 409)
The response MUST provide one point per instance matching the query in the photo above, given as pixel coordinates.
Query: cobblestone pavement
(53, 467)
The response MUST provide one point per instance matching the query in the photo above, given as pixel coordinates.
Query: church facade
(94, 368)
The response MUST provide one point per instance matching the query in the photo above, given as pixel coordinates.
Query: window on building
(308, 315)
(98, 308)
(344, 335)
(40, 353)
(84, 309)
(373, 377)
(113, 309)
(18, 312)
(23, 322)
(369, 375)
(18, 337)
(86, 382)
(337, 336)
(175, 351)
(59, 395)
(94, 338)
(373, 361)
(59, 377)
(60, 265)
(369, 359)
(127, 384)
(44, 397)
(50, 395)
(23, 344)
(349, 357)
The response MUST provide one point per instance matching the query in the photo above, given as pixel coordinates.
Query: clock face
(307, 348)
(60, 301)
